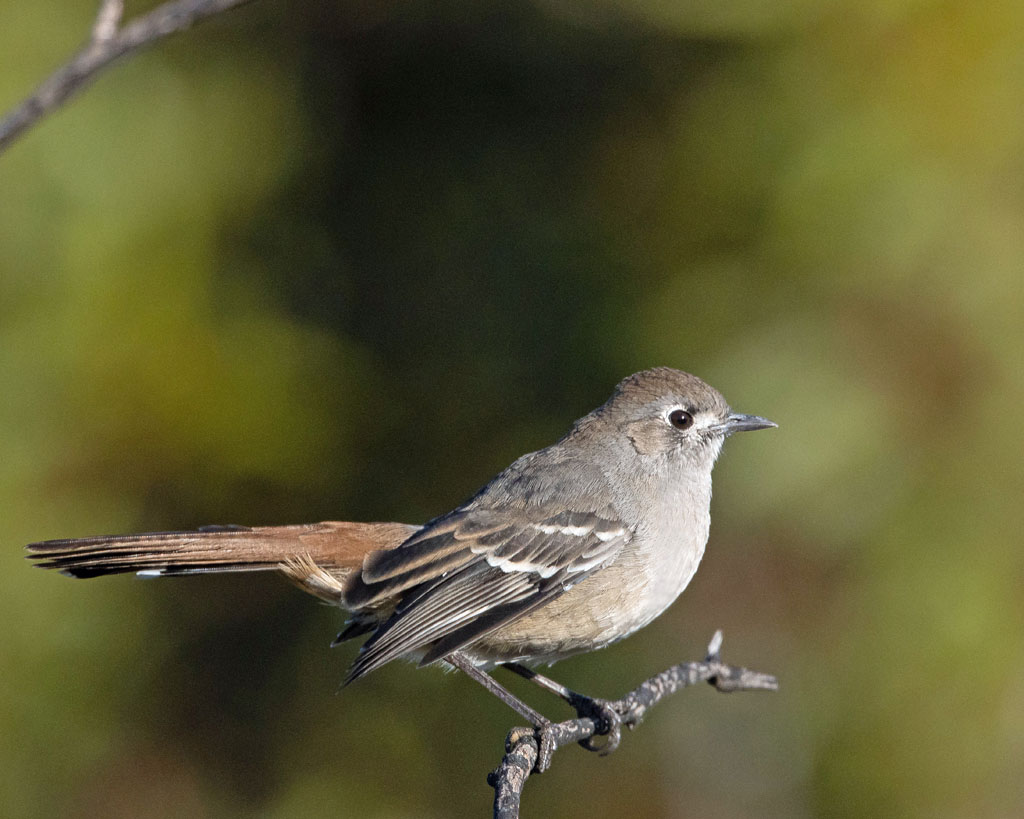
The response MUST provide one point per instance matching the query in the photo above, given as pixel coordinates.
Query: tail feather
(337, 548)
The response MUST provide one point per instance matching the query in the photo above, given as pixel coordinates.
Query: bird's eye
(680, 419)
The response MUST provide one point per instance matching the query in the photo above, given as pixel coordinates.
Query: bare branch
(108, 41)
(529, 750)
(107, 20)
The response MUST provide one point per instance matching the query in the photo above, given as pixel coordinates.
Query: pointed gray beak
(744, 423)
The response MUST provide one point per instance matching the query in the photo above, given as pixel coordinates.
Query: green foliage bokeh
(348, 261)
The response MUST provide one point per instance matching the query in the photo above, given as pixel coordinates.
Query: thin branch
(107, 20)
(108, 41)
(529, 750)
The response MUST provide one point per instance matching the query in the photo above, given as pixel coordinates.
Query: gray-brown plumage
(567, 550)
(317, 556)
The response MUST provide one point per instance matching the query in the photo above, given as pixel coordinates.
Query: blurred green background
(347, 260)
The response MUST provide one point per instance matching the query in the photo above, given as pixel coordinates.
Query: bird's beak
(743, 423)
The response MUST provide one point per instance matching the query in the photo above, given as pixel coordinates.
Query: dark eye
(680, 419)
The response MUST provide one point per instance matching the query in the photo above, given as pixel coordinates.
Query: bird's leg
(541, 724)
(546, 683)
(607, 719)
(465, 665)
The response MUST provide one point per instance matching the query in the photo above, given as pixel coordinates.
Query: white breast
(655, 567)
(674, 555)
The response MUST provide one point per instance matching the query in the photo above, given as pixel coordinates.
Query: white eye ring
(680, 419)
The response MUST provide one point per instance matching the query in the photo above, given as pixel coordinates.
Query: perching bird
(569, 549)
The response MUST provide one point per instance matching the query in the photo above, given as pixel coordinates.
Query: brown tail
(311, 554)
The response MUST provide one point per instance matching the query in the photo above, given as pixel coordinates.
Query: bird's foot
(544, 736)
(608, 722)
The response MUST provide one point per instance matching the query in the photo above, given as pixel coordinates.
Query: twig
(107, 20)
(529, 750)
(107, 42)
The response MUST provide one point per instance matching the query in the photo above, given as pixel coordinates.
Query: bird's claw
(543, 736)
(608, 718)
(607, 722)
(546, 746)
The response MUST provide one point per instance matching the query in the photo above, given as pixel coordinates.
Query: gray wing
(473, 571)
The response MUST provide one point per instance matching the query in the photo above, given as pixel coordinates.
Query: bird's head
(673, 418)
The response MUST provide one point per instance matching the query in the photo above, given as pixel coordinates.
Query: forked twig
(108, 41)
(523, 747)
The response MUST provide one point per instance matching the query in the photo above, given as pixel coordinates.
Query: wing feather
(474, 571)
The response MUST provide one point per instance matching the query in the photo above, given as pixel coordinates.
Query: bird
(569, 549)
